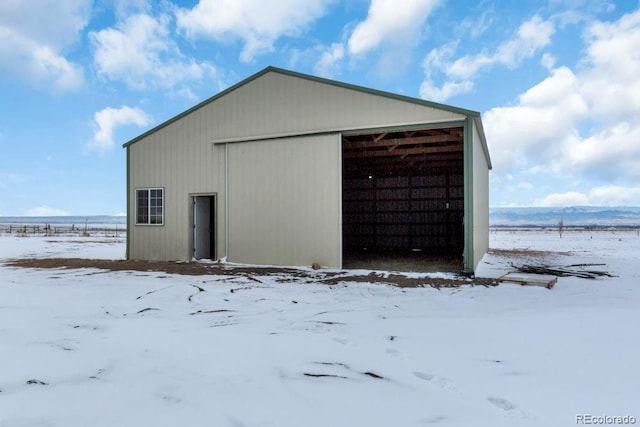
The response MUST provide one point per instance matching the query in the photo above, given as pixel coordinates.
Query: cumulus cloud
(458, 74)
(433, 92)
(541, 133)
(45, 211)
(609, 154)
(612, 68)
(532, 35)
(571, 198)
(329, 59)
(390, 21)
(108, 119)
(544, 118)
(256, 25)
(610, 195)
(522, 186)
(438, 59)
(33, 36)
(141, 52)
(124, 8)
(615, 195)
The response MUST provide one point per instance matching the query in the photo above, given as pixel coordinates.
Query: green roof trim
(270, 69)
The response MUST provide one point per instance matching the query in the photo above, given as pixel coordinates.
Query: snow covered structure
(285, 168)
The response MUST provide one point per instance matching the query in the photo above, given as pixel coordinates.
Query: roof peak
(322, 80)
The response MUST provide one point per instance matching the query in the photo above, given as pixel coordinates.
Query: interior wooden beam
(402, 151)
(455, 131)
(364, 163)
(379, 137)
(427, 139)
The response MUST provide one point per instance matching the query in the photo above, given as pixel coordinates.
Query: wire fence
(24, 230)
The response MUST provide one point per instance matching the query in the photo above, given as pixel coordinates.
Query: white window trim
(148, 190)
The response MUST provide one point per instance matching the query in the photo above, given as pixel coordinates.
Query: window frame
(149, 207)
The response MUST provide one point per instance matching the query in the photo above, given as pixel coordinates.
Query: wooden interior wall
(404, 199)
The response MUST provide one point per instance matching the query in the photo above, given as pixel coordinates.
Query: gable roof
(469, 113)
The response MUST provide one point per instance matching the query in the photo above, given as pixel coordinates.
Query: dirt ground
(282, 275)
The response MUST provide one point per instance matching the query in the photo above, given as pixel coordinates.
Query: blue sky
(557, 83)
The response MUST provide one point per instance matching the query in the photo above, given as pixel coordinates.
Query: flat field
(90, 346)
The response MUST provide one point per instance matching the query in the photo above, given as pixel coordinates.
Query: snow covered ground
(91, 347)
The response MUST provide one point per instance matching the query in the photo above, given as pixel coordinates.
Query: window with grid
(150, 206)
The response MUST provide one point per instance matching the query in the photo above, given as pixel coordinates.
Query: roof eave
(197, 106)
(483, 140)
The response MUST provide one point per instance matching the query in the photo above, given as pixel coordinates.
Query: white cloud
(48, 22)
(609, 154)
(578, 128)
(611, 80)
(548, 61)
(533, 35)
(459, 74)
(537, 127)
(437, 59)
(610, 195)
(571, 198)
(468, 66)
(541, 133)
(140, 52)
(45, 211)
(524, 186)
(330, 57)
(108, 119)
(432, 92)
(390, 21)
(257, 24)
(33, 36)
(615, 195)
(124, 8)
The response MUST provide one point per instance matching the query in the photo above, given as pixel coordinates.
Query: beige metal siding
(480, 199)
(182, 158)
(277, 104)
(284, 201)
(179, 159)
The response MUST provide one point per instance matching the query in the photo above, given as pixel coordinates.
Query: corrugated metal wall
(480, 199)
(182, 158)
(277, 104)
(284, 201)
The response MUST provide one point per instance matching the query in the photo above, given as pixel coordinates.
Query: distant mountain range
(575, 216)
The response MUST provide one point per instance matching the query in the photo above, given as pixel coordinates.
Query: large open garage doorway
(403, 200)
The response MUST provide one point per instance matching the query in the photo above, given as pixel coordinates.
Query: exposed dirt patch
(410, 282)
(281, 275)
(187, 268)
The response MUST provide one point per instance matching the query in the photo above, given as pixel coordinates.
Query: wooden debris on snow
(529, 279)
(576, 270)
